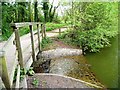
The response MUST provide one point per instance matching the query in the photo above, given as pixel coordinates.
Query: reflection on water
(105, 64)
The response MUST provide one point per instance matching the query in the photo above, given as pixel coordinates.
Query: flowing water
(105, 64)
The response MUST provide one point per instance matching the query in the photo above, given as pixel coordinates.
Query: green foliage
(23, 72)
(23, 12)
(30, 72)
(35, 82)
(15, 74)
(6, 19)
(45, 42)
(91, 41)
(24, 30)
(94, 40)
(93, 25)
(16, 12)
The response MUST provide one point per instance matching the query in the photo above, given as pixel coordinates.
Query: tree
(49, 10)
(93, 25)
(35, 11)
(52, 11)
(45, 10)
(29, 8)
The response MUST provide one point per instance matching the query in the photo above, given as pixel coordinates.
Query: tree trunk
(29, 7)
(35, 12)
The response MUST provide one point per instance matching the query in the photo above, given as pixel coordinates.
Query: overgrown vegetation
(94, 25)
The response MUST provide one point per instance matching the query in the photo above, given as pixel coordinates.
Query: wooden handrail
(23, 24)
(16, 27)
(8, 74)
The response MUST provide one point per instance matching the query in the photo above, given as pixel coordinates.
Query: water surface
(105, 64)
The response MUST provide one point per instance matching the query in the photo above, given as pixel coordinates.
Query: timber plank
(11, 57)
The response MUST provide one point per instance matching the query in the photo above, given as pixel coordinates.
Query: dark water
(105, 64)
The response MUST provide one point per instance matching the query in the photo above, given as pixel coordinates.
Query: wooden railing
(16, 27)
(11, 55)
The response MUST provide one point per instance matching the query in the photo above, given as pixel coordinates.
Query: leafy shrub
(94, 27)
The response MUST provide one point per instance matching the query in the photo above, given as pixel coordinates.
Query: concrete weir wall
(60, 52)
(58, 81)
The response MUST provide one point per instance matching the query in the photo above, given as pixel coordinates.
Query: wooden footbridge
(20, 52)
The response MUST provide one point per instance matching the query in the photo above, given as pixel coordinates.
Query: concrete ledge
(60, 52)
(57, 81)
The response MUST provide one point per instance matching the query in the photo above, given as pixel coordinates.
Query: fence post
(4, 71)
(59, 31)
(18, 77)
(44, 30)
(38, 30)
(18, 46)
(32, 42)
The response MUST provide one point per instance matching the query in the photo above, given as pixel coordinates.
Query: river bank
(105, 64)
(74, 66)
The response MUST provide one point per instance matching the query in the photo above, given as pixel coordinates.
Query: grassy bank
(89, 41)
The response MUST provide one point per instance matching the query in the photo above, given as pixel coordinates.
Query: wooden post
(18, 77)
(18, 45)
(38, 30)
(42, 30)
(59, 31)
(32, 42)
(4, 71)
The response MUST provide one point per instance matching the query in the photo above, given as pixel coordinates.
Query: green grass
(46, 42)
